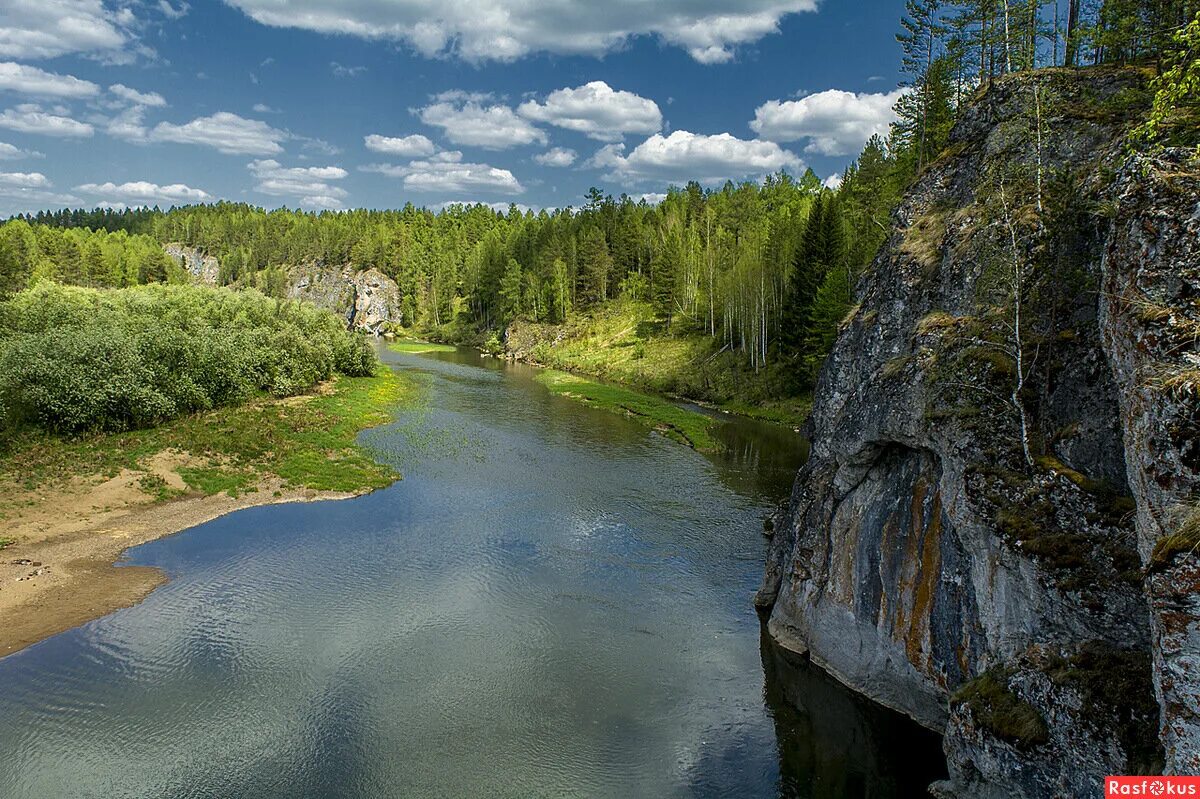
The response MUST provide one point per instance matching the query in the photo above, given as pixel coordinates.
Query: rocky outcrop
(367, 299)
(203, 268)
(1150, 313)
(933, 562)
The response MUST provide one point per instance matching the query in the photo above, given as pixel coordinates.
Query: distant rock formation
(367, 299)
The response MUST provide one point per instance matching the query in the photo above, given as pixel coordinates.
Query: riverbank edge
(794, 422)
(86, 580)
(61, 559)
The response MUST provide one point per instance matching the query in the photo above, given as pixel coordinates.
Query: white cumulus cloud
(504, 30)
(447, 172)
(557, 156)
(134, 97)
(404, 147)
(596, 110)
(310, 185)
(493, 127)
(225, 132)
(9, 152)
(692, 156)
(51, 28)
(832, 122)
(30, 118)
(143, 192)
(24, 180)
(25, 79)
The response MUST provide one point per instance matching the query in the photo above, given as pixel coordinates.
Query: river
(553, 602)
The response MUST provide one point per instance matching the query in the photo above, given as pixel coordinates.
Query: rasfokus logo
(1152, 786)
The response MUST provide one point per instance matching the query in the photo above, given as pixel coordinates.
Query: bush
(74, 359)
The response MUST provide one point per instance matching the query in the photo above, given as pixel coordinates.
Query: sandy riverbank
(62, 571)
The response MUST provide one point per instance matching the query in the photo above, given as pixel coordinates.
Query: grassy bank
(304, 442)
(623, 343)
(680, 424)
(419, 347)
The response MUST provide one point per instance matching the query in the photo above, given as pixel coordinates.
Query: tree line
(765, 269)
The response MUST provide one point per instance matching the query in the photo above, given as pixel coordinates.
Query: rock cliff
(367, 299)
(1004, 436)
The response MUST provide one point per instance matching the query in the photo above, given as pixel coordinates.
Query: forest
(765, 270)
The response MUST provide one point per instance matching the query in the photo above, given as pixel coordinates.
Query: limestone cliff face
(1150, 313)
(367, 299)
(204, 268)
(925, 560)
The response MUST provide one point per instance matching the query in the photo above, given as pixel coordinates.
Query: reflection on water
(554, 602)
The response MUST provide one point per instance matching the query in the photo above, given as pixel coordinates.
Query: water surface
(553, 602)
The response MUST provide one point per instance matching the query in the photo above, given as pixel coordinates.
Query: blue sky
(374, 103)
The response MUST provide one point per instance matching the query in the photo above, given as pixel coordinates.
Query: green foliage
(1000, 711)
(688, 427)
(1174, 118)
(418, 347)
(30, 253)
(309, 443)
(75, 359)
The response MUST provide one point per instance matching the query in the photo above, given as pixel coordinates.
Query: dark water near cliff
(553, 602)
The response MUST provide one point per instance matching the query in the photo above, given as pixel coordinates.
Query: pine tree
(511, 291)
(594, 265)
(921, 29)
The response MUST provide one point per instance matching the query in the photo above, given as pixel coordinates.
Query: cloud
(833, 182)
(171, 12)
(404, 147)
(24, 180)
(597, 111)
(310, 185)
(30, 118)
(447, 172)
(494, 127)
(263, 108)
(653, 198)
(317, 146)
(832, 122)
(693, 156)
(225, 132)
(9, 152)
(51, 28)
(31, 80)
(143, 192)
(558, 156)
(341, 71)
(134, 97)
(129, 125)
(504, 30)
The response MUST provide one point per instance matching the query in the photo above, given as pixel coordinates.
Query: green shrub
(75, 359)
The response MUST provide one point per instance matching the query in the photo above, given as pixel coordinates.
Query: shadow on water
(834, 744)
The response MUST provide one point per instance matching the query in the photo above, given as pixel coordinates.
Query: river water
(554, 602)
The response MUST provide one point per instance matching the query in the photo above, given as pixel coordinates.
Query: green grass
(688, 427)
(1002, 712)
(5, 543)
(156, 486)
(309, 442)
(623, 342)
(419, 347)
